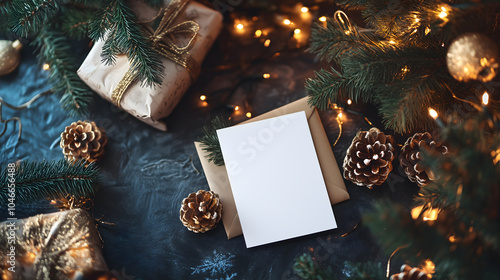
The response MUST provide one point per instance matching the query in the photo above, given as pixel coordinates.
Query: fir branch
(306, 268)
(116, 23)
(29, 16)
(210, 141)
(55, 50)
(75, 21)
(326, 88)
(52, 180)
(331, 42)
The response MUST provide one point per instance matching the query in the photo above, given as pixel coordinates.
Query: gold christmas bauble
(473, 56)
(9, 56)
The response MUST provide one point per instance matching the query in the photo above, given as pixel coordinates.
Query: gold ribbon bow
(164, 42)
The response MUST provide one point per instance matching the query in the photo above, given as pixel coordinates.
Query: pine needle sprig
(210, 141)
(29, 16)
(55, 50)
(49, 179)
(117, 25)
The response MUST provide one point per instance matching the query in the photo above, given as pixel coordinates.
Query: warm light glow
(433, 113)
(442, 45)
(429, 267)
(347, 32)
(431, 215)
(30, 257)
(287, 22)
(266, 75)
(258, 33)
(203, 98)
(339, 115)
(249, 115)
(296, 31)
(349, 101)
(405, 69)
(240, 26)
(427, 30)
(304, 9)
(496, 156)
(392, 42)
(267, 43)
(236, 108)
(322, 19)
(46, 66)
(452, 239)
(443, 12)
(486, 98)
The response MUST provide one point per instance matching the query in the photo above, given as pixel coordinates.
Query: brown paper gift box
(218, 180)
(51, 246)
(150, 104)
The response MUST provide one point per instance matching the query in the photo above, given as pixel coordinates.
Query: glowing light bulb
(287, 22)
(46, 66)
(322, 19)
(240, 26)
(429, 267)
(267, 43)
(339, 115)
(433, 113)
(304, 9)
(297, 31)
(443, 12)
(203, 98)
(249, 115)
(266, 75)
(392, 42)
(349, 101)
(258, 33)
(486, 98)
(236, 108)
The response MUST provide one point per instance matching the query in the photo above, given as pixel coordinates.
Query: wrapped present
(59, 245)
(182, 57)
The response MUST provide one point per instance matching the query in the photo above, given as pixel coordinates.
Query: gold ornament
(201, 211)
(83, 140)
(9, 56)
(472, 56)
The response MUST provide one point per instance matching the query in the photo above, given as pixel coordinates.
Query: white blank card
(276, 179)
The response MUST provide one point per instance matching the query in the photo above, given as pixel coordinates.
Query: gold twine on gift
(163, 40)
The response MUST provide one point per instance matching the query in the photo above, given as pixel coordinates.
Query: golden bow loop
(164, 40)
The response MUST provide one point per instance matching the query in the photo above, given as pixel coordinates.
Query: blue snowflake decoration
(216, 264)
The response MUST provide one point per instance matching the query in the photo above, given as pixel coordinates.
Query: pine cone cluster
(368, 160)
(83, 140)
(411, 157)
(410, 273)
(201, 211)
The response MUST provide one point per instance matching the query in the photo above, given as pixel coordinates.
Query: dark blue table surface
(146, 173)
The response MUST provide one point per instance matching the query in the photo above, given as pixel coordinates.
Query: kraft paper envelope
(218, 180)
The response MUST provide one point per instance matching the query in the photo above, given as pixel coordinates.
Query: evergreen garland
(464, 241)
(49, 179)
(398, 62)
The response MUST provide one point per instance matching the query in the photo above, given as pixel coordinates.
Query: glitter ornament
(472, 56)
(9, 56)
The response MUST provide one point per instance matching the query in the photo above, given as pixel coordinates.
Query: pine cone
(83, 140)
(368, 160)
(201, 211)
(409, 273)
(410, 158)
